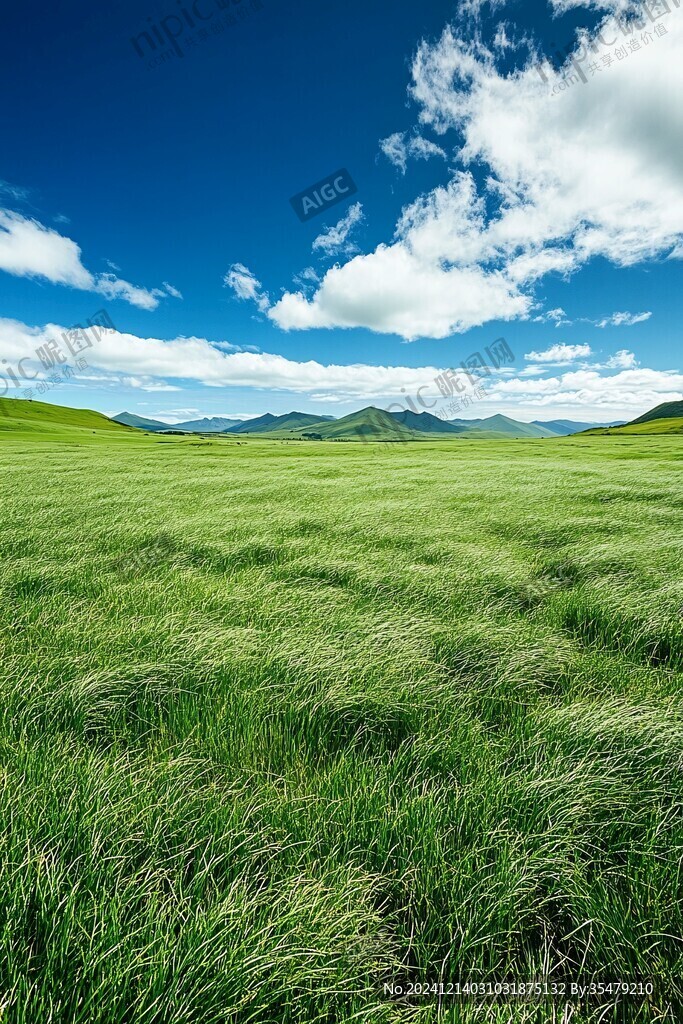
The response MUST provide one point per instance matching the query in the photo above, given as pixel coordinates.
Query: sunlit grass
(282, 722)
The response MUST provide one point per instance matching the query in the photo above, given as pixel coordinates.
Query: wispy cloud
(403, 146)
(335, 240)
(556, 316)
(559, 317)
(622, 319)
(14, 192)
(246, 286)
(172, 291)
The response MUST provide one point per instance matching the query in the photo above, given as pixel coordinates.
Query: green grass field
(284, 722)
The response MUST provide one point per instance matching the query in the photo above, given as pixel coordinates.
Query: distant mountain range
(214, 425)
(566, 427)
(370, 423)
(34, 418)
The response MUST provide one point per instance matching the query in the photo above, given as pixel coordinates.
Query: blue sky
(496, 197)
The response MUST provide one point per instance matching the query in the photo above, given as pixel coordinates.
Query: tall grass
(281, 723)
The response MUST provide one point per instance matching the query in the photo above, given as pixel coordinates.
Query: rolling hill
(502, 426)
(665, 411)
(369, 424)
(280, 426)
(672, 425)
(23, 416)
(666, 418)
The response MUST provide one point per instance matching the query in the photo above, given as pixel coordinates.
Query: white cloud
(557, 316)
(29, 249)
(401, 147)
(613, 320)
(623, 359)
(246, 286)
(425, 284)
(571, 175)
(150, 360)
(392, 291)
(336, 239)
(559, 354)
(580, 170)
(145, 384)
(617, 396)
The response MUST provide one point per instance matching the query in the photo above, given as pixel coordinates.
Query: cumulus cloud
(559, 354)
(391, 291)
(403, 146)
(425, 284)
(572, 165)
(570, 175)
(246, 286)
(29, 249)
(335, 240)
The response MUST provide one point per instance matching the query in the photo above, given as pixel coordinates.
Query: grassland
(282, 722)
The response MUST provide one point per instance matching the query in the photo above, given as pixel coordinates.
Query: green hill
(129, 419)
(369, 424)
(665, 411)
(295, 422)
(666, 418)
(674, 425)
(502, 426)
(23, 416)
(426, 423)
